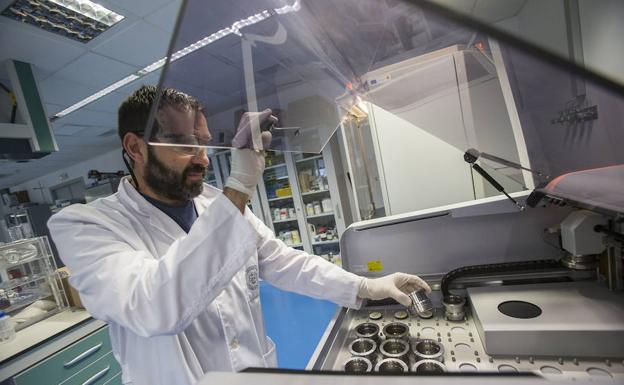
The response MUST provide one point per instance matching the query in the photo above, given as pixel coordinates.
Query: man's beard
(169, 183)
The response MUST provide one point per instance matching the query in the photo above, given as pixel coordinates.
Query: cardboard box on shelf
(283, 192)
(73, 298)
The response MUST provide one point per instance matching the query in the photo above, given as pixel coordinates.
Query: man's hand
(254, 122)
(396, 286)
(247, 167)
(248, 163)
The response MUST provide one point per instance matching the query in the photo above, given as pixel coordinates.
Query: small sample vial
(421, 304)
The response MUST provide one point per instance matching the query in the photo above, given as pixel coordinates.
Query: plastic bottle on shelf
(327, 205)
(317, 208)
(7, 328)
(295, 237)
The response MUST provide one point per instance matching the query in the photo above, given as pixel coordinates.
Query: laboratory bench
(73, 348)
(67, 348)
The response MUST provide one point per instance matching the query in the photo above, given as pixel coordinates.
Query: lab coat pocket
(270, 357)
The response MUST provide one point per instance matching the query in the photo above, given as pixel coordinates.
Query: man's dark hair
(134, 111)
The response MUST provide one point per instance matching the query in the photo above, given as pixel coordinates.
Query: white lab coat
(179, 305)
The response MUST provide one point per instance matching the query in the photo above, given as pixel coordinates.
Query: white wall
(602, 28)
(420, 146)
(541, 23)
(554, 148)
(419, 169)
(602, 31)
(488, 117)
(109, 162)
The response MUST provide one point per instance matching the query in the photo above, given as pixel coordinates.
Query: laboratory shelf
(34, 258)
(295, 245)
(274, 166)
(279, 198)
(286, 220)
(17, 282)
(325, 243)
(328, 214)
(308, 159)
(314, 192)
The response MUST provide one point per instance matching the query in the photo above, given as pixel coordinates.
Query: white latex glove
(248, 164)
(247, 168)
(251, 122)
(396, 286)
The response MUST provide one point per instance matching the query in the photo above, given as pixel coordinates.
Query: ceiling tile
(140, 8)
(165, 17)
(149, 79)
(62, 91)
(42, 49)
(96, 70)
(66, 130)
(93, 131)
(51, 108)
(206, 71)
(124, 46)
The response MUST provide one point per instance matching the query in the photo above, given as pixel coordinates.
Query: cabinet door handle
(82, 356)
(97, 376)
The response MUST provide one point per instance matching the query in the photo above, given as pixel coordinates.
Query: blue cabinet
(87, 361)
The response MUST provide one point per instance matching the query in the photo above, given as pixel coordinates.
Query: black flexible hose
(507, 267)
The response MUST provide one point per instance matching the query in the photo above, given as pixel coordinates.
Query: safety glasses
(190, 145)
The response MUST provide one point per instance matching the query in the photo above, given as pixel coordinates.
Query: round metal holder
(391, 365)
(396, 330)
(395, 348)
(454, 308)
(428, 367)
(428, 349)
(363, 347)
(358, 365)
(368, 330)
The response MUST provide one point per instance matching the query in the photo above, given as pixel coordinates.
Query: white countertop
(375, 379)
(41, 331)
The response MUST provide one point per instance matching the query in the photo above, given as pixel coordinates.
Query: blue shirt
(184, 215)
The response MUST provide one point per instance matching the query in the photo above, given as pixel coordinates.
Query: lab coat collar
(129, 196)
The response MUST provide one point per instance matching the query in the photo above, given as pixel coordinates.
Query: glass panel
(573, 30)
(211, 176)
(280, 198)
(248, 56)
(318, 205)
(434, 85)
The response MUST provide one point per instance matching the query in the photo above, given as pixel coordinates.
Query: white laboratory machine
(484, 159)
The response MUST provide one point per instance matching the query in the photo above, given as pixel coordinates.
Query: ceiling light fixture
(234, 29)
(80, 20)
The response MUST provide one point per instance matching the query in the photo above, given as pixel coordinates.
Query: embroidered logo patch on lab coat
(252, 277)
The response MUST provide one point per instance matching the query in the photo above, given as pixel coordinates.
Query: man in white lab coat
(172, 264)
